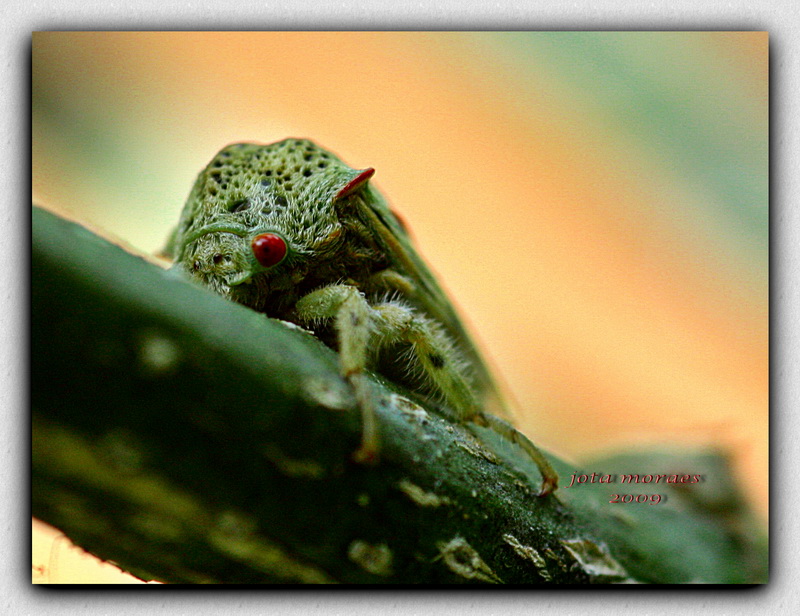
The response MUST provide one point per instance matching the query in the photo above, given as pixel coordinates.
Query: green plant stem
(191, 440)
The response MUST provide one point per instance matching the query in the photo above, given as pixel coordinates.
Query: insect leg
(358, 324)
(353, 320)
(390, 280)
(503, 428)
(436, 355)
(432, 349)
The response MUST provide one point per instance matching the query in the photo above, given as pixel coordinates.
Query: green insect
(291, 231)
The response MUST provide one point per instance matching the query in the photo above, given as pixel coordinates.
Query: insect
(291, 231)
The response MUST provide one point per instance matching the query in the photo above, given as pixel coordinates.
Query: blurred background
(596, 203)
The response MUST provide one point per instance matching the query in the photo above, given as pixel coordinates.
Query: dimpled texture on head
(287, 185)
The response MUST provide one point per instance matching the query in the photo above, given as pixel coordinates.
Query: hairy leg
(433, 352)
(437, 357)
(360, 327)
(353, 320)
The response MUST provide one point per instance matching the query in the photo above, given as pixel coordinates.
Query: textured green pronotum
(190, 439)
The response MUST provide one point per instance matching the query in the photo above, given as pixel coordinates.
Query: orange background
(596, 203)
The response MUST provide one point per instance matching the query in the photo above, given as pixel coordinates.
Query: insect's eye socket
(269, 249)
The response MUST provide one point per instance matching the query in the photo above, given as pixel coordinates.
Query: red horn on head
(356, 183)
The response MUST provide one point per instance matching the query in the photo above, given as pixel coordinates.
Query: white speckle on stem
(529, 553)
(327, 392)
(410, 409)
(375, 559)
(158, 353)
(595, 560)
(474, 448)
(295, 326)
(420, 496)
(463, 560)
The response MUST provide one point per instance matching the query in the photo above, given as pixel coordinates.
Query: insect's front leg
(353, 321)
(361, 327)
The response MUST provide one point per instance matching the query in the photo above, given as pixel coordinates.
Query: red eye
(269, 249)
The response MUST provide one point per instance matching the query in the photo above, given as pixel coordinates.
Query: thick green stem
(189, 439)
